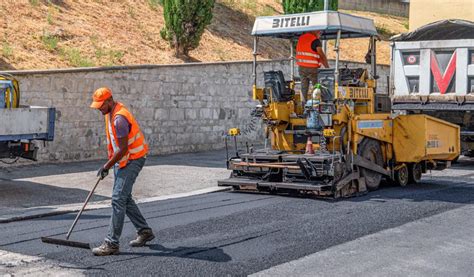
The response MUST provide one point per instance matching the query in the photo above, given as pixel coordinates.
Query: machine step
(244, 183)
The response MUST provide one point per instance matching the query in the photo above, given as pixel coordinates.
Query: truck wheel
(402, 175)
(415, 173)
(370, 150)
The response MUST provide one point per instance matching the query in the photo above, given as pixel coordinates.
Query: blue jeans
(122, 201)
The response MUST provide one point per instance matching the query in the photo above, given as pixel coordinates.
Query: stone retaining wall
(181, 108)
(393, 7)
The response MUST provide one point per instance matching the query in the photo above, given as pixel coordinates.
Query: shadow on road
(214, 159)
(439, 190)
(212, 254)
(31, 194)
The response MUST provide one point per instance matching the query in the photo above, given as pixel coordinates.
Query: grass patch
(50, 42)
(49, 18)
(100, 53)
(34, 3)
(106, 56)
(116, 55)
(221, 53)
(267, 11)
(154, 4)
(406, 25)
(7, 50)
(251, 6)
(247, 6)
(51, 11)
(132, 13)
(113, 57)
(75, 58)
(229, 2)
(384, 32)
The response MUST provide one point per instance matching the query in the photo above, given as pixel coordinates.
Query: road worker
(127, 151)
(309, 57)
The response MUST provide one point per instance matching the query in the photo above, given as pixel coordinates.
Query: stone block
(191, 114)
(184, 138)
(199, 104)
(205, 113)
(40, 83)
(162, 114)
(176, 114)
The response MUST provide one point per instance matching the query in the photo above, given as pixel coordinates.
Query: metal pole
(373, 56)
(325, 46)
(292, 58)
(236, 149)
(226, 149)
(82, 209)
(254, 69)
(336, 48)
(390, 83)
(325, 42)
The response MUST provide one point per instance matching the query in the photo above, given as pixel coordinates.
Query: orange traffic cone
(309, 146)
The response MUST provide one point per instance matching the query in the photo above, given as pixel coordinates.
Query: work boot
(143, 237)
(107, 248)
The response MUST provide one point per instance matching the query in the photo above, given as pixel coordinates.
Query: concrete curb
(45, 211)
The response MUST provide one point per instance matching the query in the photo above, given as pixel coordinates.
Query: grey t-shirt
(122, 126)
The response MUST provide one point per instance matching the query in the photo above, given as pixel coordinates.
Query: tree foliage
(302, 6)
(185, 21)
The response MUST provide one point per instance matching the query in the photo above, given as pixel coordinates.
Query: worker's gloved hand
(102, 173)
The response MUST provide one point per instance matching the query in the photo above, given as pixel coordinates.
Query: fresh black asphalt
(227, 233)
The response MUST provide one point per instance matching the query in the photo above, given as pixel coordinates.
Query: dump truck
(359, 142)
(432, 72)
(21, 125)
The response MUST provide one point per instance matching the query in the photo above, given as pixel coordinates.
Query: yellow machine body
(284, 118)
(405, 144)
(344, 139)
(10, 92)
(422, 137)
(406, 138)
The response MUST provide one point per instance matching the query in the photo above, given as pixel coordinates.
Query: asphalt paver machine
(344, 140)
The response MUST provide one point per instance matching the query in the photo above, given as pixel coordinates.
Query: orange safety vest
(305, 56)
(137, 146)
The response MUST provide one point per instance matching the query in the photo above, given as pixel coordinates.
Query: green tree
(302, 6)
(185, 21)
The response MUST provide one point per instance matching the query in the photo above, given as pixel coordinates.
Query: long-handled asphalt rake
(68, 242)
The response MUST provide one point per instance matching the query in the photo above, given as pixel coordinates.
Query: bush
(302, 6)
(185, 21)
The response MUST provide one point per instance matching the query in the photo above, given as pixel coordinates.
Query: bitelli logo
(286, 22)
(443, 80)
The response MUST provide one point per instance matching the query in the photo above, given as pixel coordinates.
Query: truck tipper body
(432, 72)
(20, 125)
